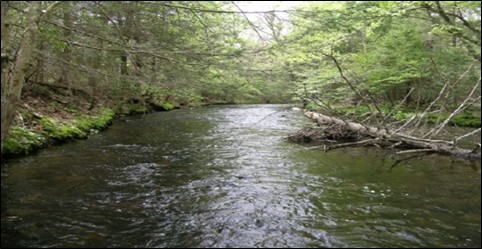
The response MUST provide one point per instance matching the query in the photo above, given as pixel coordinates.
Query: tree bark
(15, 65)
(12, 81)
(415, 144)
(5, 62)
(66, 54)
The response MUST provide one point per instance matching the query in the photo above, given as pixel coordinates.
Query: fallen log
(373, 135)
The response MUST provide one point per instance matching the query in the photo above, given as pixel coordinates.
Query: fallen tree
(338, 130)
(357, 134)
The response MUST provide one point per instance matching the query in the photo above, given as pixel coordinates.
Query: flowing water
(224, 176)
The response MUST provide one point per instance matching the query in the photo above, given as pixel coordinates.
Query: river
(224, 176)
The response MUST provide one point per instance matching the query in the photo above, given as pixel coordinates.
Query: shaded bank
(52, 115)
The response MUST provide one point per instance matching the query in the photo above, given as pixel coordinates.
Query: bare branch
(466, 135)
(223, 11)
(461, 107)
(353, 88)
(358, 143)
(418, 144)
(397, 162)
(441, 93)
(415, 151)
(255, 28)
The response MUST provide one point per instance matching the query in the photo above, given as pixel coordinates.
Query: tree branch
(353, 88)
(461, 107)
(466, 135)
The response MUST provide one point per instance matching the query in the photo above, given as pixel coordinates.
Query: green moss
(358, 110)
(137, 109)
(55, 130)
(168, 106)
(127, 109)
(22, 141)
(98, 122)
(66, 132)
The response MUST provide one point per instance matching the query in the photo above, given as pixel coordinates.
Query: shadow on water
(223, 176)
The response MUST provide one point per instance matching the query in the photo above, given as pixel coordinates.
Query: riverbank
(52, 115)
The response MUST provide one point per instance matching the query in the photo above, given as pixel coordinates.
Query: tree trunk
(5, 60)
(66, 54)
(375, 135)
(93, 78)
(39, 72)
(13, 77)
(123, 64)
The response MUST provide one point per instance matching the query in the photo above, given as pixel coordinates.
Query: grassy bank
(39, 131)
(49, 116)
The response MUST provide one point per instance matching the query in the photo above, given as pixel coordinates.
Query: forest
(68, 68)
(236, 124)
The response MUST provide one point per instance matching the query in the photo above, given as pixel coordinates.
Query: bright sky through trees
(259, 19)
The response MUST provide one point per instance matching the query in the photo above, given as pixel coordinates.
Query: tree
(15, 62)
(389, 59)
(126, 52)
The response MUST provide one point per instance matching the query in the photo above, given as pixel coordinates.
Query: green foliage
(97, 122)
(53, 129)
(22, 141)
(312, 107)
(466, 118)
(401, 115)
(135, 56)
(168, 106)
(385, 50)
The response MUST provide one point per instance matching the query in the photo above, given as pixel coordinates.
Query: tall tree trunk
(94, 78)
(65, 79)
(123, 65)
(39, 72)
(5, 60)
(13, 77)
(6, 54)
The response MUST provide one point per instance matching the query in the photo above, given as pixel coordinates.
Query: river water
(224, 176)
